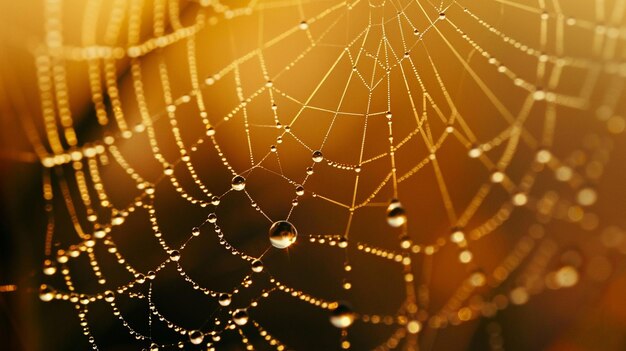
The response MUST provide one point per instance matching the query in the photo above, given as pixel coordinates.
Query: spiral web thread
(72, 166)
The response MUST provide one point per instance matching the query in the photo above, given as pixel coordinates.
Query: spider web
(410, 143)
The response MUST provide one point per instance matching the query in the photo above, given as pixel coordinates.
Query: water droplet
(154, 347)
(497, 177)
(474, 152)
(587, 196)
(212, 218)
(405, 242)
(457, 236)
(413, 327)
(46, 293)
(257, 266)
(342, 316)
(303, 25)
(465, 256)
(478, 278)
(309, 170)
(442, 16)
(520, 199)
(175, 255)
(140, 278)
(282, 234)
(317, 156)
(49, 268)
(109, 296)
(117, 219)
(224, 299)
(396, 215)
(215, 200)
(567, 276)
(543, 156)
(539, 94)
(195, 231)
(238, 183)
(342, 242)
(196, 337)
(299, 190)
(240, 317)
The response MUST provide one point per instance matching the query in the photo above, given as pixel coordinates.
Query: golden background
(559, 231)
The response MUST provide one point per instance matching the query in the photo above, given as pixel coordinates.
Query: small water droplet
(240, 317)
(196, 337)
(587, 196)
(212, 218)
(46, 293)
(317, 156)
(175, 255)
(543, 156)
(478, 278)
(342, 242)
(342, 316)
(224, 299)
(257, 266)
(299, 190)
(497, 177)
(474, 152)
(413, 327)
(396, 215)
(49, 268)
(405, 242)
(238, 183)
(109, 296)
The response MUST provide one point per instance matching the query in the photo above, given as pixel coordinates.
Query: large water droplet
(342, 316)
(282, 234)
(396, 215)
(240, 317)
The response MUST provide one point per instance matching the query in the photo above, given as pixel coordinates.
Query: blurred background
(123, 119)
